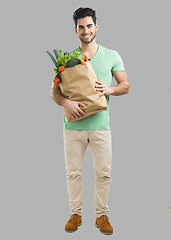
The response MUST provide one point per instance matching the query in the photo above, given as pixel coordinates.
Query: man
(93, 130)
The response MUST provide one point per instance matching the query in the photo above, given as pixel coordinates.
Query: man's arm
(71, 106)
(123, 85)
(121, 88)
(56, 95)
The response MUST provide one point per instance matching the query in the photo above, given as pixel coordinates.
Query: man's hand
(73, 108)
(121, 88)
(100, 87)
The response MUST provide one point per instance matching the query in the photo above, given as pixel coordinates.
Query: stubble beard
(87, 42)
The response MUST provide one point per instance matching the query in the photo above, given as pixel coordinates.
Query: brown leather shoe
(103, 223)
(73, 223)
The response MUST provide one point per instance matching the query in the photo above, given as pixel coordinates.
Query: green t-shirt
(104, 62)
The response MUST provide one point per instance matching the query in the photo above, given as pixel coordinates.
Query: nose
(85, 30)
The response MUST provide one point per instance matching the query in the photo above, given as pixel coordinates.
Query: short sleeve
(117, 62)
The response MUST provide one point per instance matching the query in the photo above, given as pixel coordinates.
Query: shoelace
(105, 219)
(72, 217)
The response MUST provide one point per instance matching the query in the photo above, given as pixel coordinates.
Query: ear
(96, 26)
(76, 30)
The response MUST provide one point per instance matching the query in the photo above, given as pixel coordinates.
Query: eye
(81, 27)
(90, 25)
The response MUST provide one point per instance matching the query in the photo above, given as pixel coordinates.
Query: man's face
(86, 29)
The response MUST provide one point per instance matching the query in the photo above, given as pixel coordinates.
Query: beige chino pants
(75, 144)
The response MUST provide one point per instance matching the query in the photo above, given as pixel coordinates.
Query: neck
(89, 49)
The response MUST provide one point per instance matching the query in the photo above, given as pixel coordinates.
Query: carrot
(82, 61)
(85, 58)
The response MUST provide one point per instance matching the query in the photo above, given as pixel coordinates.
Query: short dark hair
(84, 12)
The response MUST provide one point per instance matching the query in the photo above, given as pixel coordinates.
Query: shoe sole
(70, 231)
(106, 233)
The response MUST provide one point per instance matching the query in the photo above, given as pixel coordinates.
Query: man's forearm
(73, 107)
(120, 89)
(57, 97)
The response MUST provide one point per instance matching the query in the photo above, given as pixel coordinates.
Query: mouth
(86, 36)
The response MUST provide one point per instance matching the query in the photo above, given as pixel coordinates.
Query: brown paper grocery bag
(78, 84)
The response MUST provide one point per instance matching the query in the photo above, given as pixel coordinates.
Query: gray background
(34, 198)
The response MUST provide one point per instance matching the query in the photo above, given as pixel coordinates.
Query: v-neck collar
(94, 55)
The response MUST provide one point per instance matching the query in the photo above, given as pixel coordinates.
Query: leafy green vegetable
(62, 59)
(57, 53)
(62, 52)
(72, 62)
(55, 70)
(52, 57)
